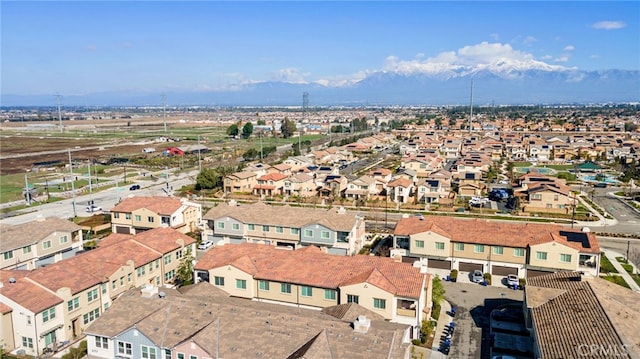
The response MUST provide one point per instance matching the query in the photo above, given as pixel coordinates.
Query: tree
(438, 290)
(247, 130)
(261, 122)
(208, 178)
(630, 126)
(288, 128)
(184, 272)
(233, 130)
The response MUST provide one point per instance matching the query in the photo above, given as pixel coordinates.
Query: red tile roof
(273, 176)
(26, 293)
(314, 268)
(159, 205)
(498, 233)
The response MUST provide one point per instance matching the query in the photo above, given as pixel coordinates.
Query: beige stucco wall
(367, 292)
(190, 348)
(230, 274)
(85, 306)
(507, 256)
(144, 218)
(6, 332)
(554, 250)
(430, 239)
(548, 198)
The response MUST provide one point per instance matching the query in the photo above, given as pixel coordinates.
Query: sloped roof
(159, 205)
(26, 293)
(21, 235)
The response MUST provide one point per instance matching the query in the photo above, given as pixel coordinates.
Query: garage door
(439, 264)
(469, 267)
(502, 270)
(534, 273)
(408, 259)
(121, 229)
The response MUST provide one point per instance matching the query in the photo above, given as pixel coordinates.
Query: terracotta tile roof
(159, 205)
(127, 249)
(163, 240)
(260, 213)
(26, 293)
(21, 235)
(60, 274)
(242, 175)
(584, 312)
(273, 176)
(302, 267)
(400, 182)
(498, 233)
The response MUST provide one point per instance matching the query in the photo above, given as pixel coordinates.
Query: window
(8, 255)
(295, 231)
(379, 303)
(138, 218)
(104, 288)
(419, 244)
(285, 288)
(127, 216)
(64, 239)
(536, 197)
(26, 249)
(263, 285)
(459, 247)
(308, 233)
(124, 348)
(167, 354)
(193, 357)
(325, 235)
(48, 314)
(235, 226)
(150, 270)
(251, 227)
(102, 342)
(73, 304)
(46, 244)
(180, 356)
(279, 229)
(27, 342)
(555, 197)
(440, 246)
(91, 316)
(219, 281)
(541, 256)
(148, 352)
(241, 284)
(352, 298)
(116, 215)
(129, 275)
(478, 248)
(329, 294)
(220, 225)
(141, 271)
(167, 259)
(565, 258)
(179, 254)
(150, 219)
(169, 275)
(498, 250)
(265, 228)
(113, 285)
(518, 252)
(307, 291)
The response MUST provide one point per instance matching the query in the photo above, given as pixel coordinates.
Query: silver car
(477, 277)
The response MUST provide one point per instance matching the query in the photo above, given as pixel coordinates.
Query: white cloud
(494, 36)
(546, 57)
(609, 25)
(290, 74)
(569, 48)
(563, 58)
(529, 40)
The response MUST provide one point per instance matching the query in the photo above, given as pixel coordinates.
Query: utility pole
(89, 173)
(73, 190)
(27, 192)
(260, 145)
(628, 245)
(164, 111)
(58, 97)
(471, 109)
(199, 163)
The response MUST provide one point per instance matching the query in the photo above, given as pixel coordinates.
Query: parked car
(134, 187)
(512, 280)
(93, 208)
(204, 245)
(477, 277)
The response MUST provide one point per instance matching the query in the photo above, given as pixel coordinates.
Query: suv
(93, 208)
(477, 277)
(134, 187)
(204, 245)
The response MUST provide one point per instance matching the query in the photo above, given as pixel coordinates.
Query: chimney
(361, 324)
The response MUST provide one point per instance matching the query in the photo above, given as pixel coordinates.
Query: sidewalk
(612, 258)
(443, 320)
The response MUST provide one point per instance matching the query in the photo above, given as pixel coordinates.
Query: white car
(204, 245)
(512, 280)
(477, 276)
(93, 208)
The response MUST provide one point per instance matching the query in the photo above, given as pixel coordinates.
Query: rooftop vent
(361, 324)
(12, 280)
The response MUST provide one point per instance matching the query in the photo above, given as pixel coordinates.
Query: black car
(134, 187)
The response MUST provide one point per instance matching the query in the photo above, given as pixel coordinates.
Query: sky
(83, 47)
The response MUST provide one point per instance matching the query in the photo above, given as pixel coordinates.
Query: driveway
(474, 303)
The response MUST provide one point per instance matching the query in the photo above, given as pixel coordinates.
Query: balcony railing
(406, 312)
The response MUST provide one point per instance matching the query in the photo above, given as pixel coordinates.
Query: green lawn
(605, 265)
(522, 164)
(616, 279)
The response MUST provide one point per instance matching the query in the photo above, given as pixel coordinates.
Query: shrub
(77, 353)
(522, 282)
(487, 277)
(454, 275)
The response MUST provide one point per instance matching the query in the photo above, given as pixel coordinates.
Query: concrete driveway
(474, 303)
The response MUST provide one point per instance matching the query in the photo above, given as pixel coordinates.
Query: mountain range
(500, 84)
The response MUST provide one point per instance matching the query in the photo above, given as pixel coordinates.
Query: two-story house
(138, 214)
(339, 231)
(37, 243)
(240, 182)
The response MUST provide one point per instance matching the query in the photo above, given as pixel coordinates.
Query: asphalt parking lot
(474, 303)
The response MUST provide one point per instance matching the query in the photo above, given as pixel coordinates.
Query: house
(434, 187)
(300, 184)
(240, 182)
(400, 190)
(337, 231)
(541, 193)
(204, 322)
(270, 184)
(562, 309)
(361, 188)
(54, 304)
(37, 243)
(523, 249)
(137, 214)
(309, 278)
